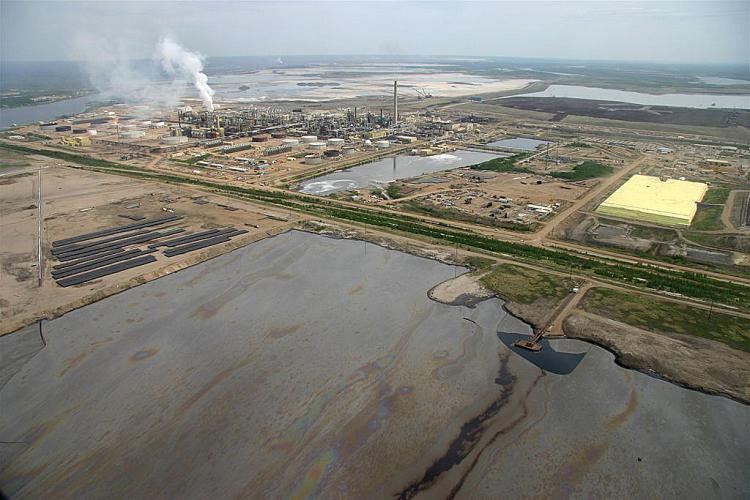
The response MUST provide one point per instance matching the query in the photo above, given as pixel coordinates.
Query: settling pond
(303, 365)
(520, 143)
(390, 169)
(675, 100)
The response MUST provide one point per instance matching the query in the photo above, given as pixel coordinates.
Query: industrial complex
(267, 297)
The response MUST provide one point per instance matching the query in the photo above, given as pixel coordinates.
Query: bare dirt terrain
(103, 198)
(691, 361)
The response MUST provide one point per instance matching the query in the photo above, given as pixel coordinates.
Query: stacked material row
(91, 256)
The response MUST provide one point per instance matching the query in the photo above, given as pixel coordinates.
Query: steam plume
(177, 61)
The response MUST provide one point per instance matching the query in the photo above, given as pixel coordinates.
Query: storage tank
(348, 150)
(91, 131)
(173, 139)
(260, 138)
(79, 130)
(382, 144)
(335, 142)
(290, 142)
(278, 135)
(62, 128)
(309, 138)
(48, 127)
(133, 134)
(332, 153)
(313, 159)
(317, 145)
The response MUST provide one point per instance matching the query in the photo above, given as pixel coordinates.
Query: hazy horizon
(694, 32)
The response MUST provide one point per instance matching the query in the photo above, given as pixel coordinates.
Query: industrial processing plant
(226, 273)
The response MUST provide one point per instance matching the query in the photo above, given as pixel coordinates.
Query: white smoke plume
(116, 72)
(177, 61)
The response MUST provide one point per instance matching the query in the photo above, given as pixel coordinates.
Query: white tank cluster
(309, 138)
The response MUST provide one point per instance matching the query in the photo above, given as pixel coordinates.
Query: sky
(697, 31)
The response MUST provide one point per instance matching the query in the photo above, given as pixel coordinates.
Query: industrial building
(644, 198)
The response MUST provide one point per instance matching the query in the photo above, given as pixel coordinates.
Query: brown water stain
(215, 380)
(622, 417)
(144, 354)
(72, 363)
(277, 332)
(355, 289)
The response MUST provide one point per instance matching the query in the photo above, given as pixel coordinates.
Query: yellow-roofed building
(645, 198)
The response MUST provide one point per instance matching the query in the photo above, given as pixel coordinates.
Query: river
(303, 365)
(45, 112)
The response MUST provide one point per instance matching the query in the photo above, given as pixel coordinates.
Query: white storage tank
(313, 159)
(382, 144)
(317, 145)
(290, 142)
(309, 138)
(173, 139)
(133, 134)
(335, 142)
(348, 150)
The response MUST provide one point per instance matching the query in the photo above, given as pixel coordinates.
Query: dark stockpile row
(90, 256)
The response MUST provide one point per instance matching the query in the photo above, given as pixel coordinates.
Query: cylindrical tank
(309, 138)
(62, 128)
(332, 153)
(278, 135)
(133, 134)
(313, 159)
(290, 142)
(174, 139)
(91, 131)
(348, 150)
(260, 138)
(79, 130)
(317, 145)
(382, 144)
(335, 142)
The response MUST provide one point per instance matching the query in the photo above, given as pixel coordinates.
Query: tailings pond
(675, 100)
(390, 169)
(519, 143)
(304, 366)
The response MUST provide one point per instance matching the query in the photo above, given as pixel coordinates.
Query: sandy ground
(692, 361)
(65, 192)
(344, 82)
(463, 289)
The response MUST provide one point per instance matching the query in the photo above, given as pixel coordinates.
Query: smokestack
(395, 102)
